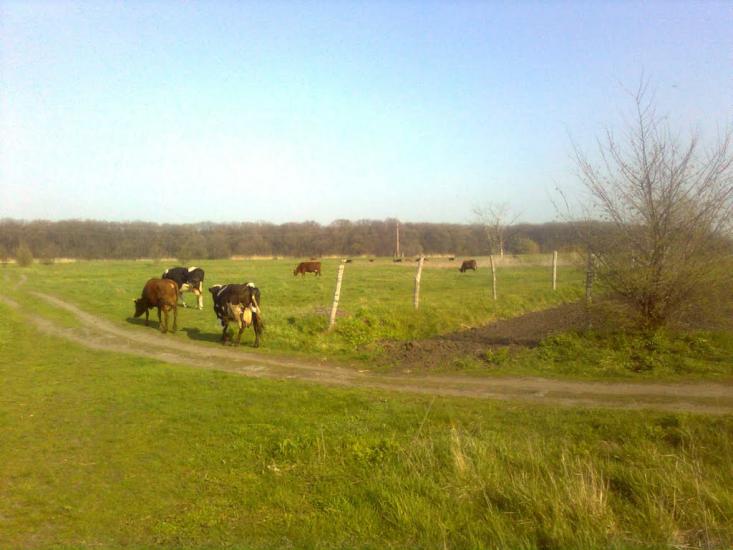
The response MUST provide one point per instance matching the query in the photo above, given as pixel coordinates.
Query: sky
(178, 112)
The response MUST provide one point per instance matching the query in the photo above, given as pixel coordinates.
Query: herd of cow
(233, 303)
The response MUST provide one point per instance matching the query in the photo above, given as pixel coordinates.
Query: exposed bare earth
(98, 333)
(527, 330)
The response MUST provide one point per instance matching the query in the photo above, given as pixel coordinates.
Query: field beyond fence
(376, 299)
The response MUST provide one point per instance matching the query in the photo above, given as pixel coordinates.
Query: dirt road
(97, 333)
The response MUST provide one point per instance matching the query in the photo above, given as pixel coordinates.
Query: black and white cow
(190, 279)
(239, 304)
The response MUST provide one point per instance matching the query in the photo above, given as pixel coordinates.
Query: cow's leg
(175, 318)
(235, 314)
(224, 333)
(257, 326)
(185, 287)
(199, 297)
(147, 317)
(163, 324)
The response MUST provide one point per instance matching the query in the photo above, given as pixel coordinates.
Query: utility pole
(397, 241)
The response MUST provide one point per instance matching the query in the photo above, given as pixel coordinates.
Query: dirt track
(98, 333)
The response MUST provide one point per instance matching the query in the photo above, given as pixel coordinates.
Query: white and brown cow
(239, 304)
(190, 279)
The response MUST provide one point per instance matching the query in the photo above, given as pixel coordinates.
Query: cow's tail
(257, 321)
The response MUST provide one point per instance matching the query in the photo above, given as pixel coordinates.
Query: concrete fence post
(336, 296)
(416, 296)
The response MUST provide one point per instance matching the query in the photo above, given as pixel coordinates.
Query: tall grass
(104, 450)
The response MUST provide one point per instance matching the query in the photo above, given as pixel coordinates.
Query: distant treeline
(84, 239)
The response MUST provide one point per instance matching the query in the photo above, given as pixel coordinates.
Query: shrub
(525, 245)
(23, 255)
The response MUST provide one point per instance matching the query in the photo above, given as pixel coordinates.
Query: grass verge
(106, 450)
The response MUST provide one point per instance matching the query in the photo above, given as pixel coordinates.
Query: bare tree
(495, 217)
(669, 206)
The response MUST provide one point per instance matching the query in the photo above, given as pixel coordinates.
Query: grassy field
(376, 298)
(99, 450)
(376, 306)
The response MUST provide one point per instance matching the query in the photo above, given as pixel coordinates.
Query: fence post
(336, 296)
(554, 270)
(416, 296)
(493, 275)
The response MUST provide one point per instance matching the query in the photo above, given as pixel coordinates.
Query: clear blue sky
(288, 111)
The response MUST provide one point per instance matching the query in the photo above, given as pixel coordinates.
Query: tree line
(88, 239)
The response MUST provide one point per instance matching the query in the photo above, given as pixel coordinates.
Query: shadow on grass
(140, 322)
(191, 333)
(196, 334)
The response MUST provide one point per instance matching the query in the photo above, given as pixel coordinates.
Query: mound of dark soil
(530, 329)
(527, 330)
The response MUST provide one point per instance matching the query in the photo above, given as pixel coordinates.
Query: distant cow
(161, 294)
(189, 279)
(468, 264)
(239, 304)
(308, 267)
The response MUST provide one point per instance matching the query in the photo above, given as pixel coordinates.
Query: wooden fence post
(554, 270)
(336, 296)
(416, 296)
(493, 275)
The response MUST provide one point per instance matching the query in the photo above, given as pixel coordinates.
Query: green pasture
(100, 450)
(377, 306)
(376, 299)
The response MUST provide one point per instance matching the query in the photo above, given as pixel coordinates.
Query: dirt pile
(527, 330)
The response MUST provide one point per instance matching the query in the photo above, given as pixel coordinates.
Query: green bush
(23, 255)
(525, 245)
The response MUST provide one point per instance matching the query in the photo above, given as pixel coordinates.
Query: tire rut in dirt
(98, 333)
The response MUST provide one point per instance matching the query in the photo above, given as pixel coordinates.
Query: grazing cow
(452, 258)
(308, 267)
(468, 264)
(162, 294)
(239, 304)
(189, 279)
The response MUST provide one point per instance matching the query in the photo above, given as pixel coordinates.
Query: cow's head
(214, 290)
(139, 307)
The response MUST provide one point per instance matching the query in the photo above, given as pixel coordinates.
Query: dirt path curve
(101, 334)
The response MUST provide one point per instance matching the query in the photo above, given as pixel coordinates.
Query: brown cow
(468, 264)
(162, 294)
(308, 267)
